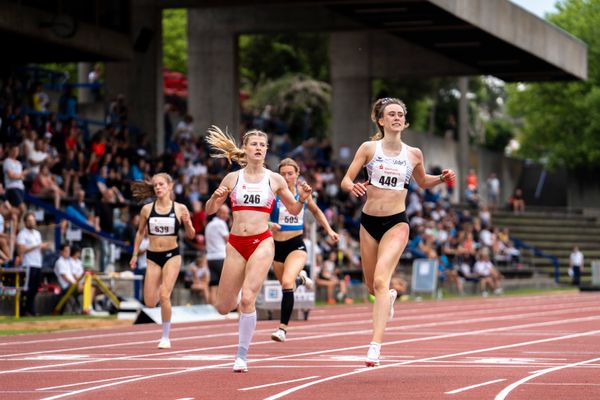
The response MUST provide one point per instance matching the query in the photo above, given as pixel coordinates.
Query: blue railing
(519, 244)
(60, 215)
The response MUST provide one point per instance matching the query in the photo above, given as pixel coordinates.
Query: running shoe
(240, 365)
(164, 343)
(393, 295)
(308, 283)
(373, 355)
(278, 335)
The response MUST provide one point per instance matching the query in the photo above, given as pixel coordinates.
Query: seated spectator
(5, 255)
(399, 284)
(44, 185)
(200, 276)
(63, 270)
(330, 277)
(488, 276)
(516, 202)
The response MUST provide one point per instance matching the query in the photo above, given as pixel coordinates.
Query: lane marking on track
(343, 333)
(555, 308)
(88, 382)
(490, 306)
(474, 386)
(228, 365)
(363, 370)
(278, 383)
(504, 392)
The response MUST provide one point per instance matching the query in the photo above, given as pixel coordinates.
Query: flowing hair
(142, 190)
(225, 146)
(377, 112)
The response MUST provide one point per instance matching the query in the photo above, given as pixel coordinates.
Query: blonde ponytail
(224, 146)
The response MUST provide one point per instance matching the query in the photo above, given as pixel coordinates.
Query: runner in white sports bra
(384, 227)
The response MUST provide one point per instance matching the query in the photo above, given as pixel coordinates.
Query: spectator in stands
(200, 275)
(488, 275)
(384, 227)
(576, 265)
(41, 101)
(399, 284)
(493, 191)
(216, 236)
(472, 192)
(185, 129)
(14, 174)
(331, 277)
(30, 246)
(161, 219)
(5, 254)
(94, 79)
(250, 249)
(44, 185)
(517, 202)
(62, 269)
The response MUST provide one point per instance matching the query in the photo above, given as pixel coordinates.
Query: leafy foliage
(301, 102)
(175, 39)
(560, 121)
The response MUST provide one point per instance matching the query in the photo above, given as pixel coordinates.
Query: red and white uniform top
(253, 196)
(389, 172)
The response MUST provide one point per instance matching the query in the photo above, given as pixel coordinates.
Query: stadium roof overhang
(493, 37)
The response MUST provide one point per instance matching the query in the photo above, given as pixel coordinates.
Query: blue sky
(538, 7)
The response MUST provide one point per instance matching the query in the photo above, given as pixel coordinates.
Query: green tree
(301, 102)
(272, 56)
(560, 122)
(174, 25)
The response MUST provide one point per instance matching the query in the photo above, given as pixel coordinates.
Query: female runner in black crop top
(161, 219)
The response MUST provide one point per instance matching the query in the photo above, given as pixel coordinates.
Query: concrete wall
(140, 80)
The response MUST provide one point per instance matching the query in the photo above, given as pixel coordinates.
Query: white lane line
(88, 382)
(554, 307)
(363, 370)
(186, 398)
(504, 392)
(474, 386)
(476, 307)
(343, 333)
(279, 383)
(228, 365)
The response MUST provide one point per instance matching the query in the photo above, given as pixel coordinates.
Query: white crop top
(389, 172)
(253, 196)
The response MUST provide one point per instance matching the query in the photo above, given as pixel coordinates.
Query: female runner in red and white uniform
(250, 250)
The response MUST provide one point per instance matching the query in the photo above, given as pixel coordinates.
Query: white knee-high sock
(166, 326)
(246, 330)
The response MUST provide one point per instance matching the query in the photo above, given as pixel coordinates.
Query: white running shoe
(164, 343)
(278, 335)
(240, 365)
(393, 295)
(308, 283)
(373, 355)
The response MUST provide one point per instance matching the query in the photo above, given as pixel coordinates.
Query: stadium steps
(554, 231)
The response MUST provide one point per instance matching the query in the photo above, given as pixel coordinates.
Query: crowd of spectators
(88, 174)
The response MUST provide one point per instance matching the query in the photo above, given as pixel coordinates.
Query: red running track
(527, 347)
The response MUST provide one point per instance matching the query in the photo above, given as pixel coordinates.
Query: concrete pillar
(140, 79)
(463, 137)
(85, 94)
(213, 76)
(351, 92)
